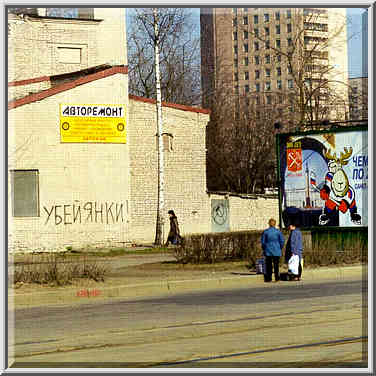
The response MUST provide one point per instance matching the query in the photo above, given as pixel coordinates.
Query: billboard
(323, 177)
(93, 123)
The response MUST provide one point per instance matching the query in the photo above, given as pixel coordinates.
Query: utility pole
(160, 208)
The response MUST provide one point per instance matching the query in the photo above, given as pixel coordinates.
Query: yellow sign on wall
(95, 123)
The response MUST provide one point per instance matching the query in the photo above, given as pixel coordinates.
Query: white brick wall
(252, 214)
(33, 43)
(70, 174)
(15, 92)
(91, 175)
(185, 177)
(185, 171)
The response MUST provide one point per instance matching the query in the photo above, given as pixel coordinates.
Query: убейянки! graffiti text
(89, 212)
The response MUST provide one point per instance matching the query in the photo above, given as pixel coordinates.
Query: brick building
(76, 180)
(245, 51)
(358, 98)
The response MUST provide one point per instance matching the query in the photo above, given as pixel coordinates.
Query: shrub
(219, 247)
(320, 248)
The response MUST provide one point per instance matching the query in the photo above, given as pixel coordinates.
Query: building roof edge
(63, 86)
(171, 105)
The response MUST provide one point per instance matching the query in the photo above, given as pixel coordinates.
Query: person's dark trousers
(270, 262)
(300, 270)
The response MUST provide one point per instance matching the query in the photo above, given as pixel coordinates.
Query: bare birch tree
(179, 55)
(160, 221)
(158, 70)
(155, 25)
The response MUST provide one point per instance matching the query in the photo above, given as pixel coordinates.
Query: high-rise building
(293, 60)
(365, 43)
(358, 92)
(358, 98)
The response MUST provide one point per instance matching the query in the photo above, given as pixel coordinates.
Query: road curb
(155, 288)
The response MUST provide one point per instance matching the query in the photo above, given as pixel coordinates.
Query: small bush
(52, 269)
(219, 247)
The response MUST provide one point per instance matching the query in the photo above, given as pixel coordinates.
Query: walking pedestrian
(294, 252)
(174, 233)
(272, 241)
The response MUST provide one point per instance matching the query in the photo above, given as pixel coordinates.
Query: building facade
(288, 60)
(358, 98)
(82, 152)
(48, 42)
(365, 43)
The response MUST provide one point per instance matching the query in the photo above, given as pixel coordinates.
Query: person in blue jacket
(272, 242)
(294, 246)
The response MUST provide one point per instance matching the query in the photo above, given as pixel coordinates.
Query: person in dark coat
(294, 246)
(174, 233)
(272, 242)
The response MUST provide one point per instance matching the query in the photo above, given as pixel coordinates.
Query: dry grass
(55, 270)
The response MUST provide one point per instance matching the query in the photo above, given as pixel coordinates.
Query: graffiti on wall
(89, 212)
(220, 215)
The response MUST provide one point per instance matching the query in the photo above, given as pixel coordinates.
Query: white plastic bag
(294, 264)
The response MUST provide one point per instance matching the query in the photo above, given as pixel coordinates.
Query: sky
(354, 32)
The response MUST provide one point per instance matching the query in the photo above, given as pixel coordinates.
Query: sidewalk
(130, 282)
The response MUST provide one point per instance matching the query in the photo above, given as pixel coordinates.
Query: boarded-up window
(69, 55)
(25, 193)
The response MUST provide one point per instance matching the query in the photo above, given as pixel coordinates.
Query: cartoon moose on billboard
(336, 191)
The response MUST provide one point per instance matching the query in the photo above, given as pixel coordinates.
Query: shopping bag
(293, 264)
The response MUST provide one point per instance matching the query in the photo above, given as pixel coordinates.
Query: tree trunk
(160, 209)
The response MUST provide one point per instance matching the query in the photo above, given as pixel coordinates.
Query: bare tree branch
(179, 55)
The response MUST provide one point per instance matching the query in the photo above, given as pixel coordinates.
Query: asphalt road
(285, 324)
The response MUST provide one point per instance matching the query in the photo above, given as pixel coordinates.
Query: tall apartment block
(358, 98)
(265, 55)
(365, 43)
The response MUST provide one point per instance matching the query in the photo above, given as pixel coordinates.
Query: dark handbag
(288, 255)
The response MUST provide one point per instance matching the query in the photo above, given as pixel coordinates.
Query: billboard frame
(282, 136)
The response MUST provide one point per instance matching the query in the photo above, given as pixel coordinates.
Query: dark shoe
(356, 218)
(269, 280)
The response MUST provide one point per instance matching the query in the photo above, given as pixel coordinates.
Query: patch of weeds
(52, 269)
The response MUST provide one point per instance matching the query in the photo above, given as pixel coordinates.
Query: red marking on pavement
(85, 293)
